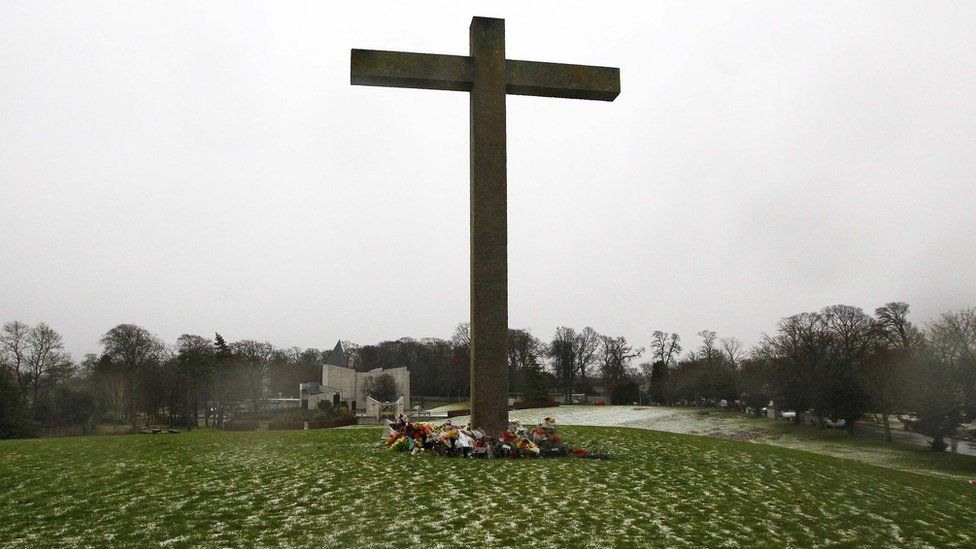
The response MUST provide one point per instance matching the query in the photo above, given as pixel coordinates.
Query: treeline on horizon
(839, 363)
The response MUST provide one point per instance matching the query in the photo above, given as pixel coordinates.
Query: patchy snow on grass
(737, 426)
(341, 487)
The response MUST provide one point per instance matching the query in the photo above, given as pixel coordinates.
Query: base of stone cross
(490, 419)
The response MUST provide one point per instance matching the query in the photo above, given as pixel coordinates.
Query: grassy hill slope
(341, 487)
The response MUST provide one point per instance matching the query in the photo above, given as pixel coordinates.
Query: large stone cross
(488, 76)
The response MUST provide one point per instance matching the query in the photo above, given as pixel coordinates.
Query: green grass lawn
(332, 487)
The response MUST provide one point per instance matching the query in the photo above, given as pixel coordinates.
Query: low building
(343, 385)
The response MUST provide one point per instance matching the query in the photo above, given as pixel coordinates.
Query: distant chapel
(343, 385)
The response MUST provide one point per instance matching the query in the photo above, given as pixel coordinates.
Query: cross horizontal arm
(454, 72)
(411, 70)
(561, 80)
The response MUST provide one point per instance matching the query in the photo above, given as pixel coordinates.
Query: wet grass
(865, 446)
(340, 487)
(897, 455)
(862, 446)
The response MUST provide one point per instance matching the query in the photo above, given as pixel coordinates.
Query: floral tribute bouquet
(451, 439)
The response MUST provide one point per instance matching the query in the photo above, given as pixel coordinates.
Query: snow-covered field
(689, 421)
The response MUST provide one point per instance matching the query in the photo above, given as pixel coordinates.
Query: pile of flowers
(451, 439)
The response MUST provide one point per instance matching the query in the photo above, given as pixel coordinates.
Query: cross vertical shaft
(489, 228)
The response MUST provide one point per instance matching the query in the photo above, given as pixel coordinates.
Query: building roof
(338, 356)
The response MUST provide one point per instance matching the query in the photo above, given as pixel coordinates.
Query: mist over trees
(837, 363)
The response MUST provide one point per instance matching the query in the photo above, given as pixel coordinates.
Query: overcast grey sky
(205, 166)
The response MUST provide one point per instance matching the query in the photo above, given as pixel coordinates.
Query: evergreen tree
(14, 412)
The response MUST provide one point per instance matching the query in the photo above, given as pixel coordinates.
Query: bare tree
(193, 379)
(943, 389)
(732, 349)
(562, 353)
(110, 381)
(462, 335)
(665, 348)
(708, 350)
(255, 359)
(817, 358)
(47, 361)
(885, 371)
(13, 351)
(797, 354)
(954, 336)
(615, 356)
(136, 350)
(524, 351)
(756, 379)
(587, 345)
(934, 399)
(893, 324)
(852, 335)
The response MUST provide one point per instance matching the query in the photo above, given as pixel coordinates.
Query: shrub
(67, 410)
(625, 392)
(328, 412)
(535, 385)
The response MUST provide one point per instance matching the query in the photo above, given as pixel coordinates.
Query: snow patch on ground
(712, 423)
